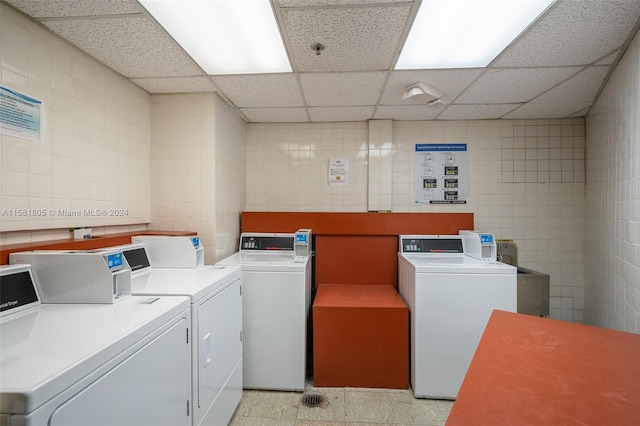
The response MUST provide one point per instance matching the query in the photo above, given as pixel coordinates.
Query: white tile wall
(561, 308)
(380, 155)
(19, 237)
(96, 148)
(197, 170)
(612, 258)
(288, 166)
(230, 174)
(287, 170)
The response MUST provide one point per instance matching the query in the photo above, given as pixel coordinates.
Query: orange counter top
(537, 371)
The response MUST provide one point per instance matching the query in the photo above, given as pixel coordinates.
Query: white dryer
(276, 277)
(216, 329)
(450, 297)
(122, 363)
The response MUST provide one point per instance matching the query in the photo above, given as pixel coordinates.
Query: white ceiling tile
(261, 90)
(451, 82)
(408, 112)
(133, 46)
(275, 115)
(341, 114)
(362, 39)
(575, 32)
(65, 8)
(505, 86)
(476, 112)
(355, 38)
(554, 110)
(582, 87)
(339, 89)
(175, 84)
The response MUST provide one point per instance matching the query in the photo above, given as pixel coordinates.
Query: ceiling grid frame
(593, 31)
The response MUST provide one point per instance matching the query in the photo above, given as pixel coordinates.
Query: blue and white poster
(21, 116)
(441, 173)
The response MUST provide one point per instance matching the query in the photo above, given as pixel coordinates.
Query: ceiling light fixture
(465, 33)
(224, 36)
(422, 91)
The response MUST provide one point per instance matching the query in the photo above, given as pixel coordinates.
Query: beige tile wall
(287, 166)
(612, 286)
(96, 150)
(230, 174)
(197, 170)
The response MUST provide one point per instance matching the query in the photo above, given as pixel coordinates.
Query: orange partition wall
(360, 337)
(356, 259)
(337, 223)
(357, 248)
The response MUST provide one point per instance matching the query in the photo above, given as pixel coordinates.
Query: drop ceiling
(554, 69)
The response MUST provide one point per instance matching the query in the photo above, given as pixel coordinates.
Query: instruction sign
(21, 116)
(441, 173)
(338, 171)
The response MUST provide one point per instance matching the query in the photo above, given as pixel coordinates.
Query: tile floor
(346, 406)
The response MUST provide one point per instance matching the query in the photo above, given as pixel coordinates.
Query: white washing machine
(450, 297)
(216, 329)
(276, 277)
(124, 363)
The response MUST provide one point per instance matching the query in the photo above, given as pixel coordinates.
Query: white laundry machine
(450, 297)
(122, 363)
(276, 278)
(172, 251)
(216, 329)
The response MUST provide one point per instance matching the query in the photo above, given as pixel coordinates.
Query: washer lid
(455, 264)
(46, 349)
(194, 283)
(276, 261)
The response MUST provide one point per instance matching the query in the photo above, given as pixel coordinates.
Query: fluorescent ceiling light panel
(224, 36)
(465, 33)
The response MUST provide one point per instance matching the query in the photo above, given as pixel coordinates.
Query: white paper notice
(21, 116)
(339, 171)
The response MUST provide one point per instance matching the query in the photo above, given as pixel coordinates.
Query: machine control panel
(282, 242)
(434, 244)
(480, 245)
(137, 258)
(78, 276)
(302, 243)
(17, 289)
(486, 239)
(114, 261)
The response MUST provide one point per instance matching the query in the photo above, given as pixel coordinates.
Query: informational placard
(338, 171)
(21, 116)
(441, 173)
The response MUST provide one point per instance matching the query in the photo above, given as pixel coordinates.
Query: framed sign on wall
(441, 173)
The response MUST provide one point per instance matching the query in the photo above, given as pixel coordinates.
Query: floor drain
(314, 400)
